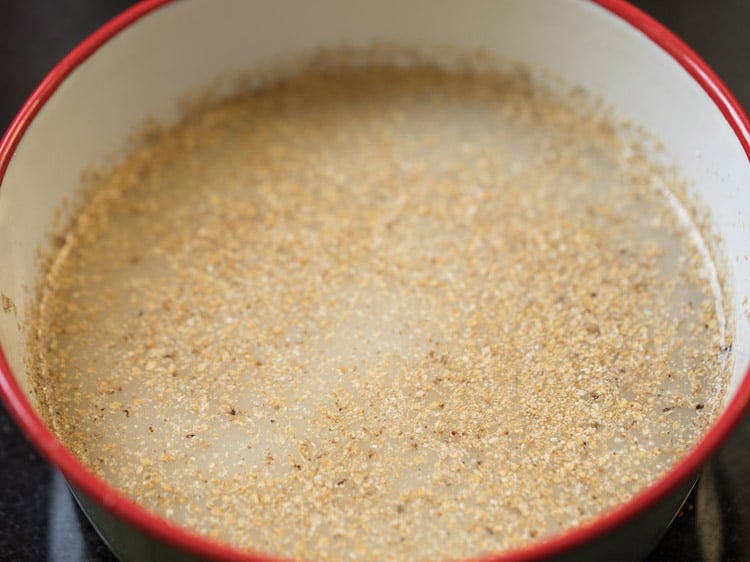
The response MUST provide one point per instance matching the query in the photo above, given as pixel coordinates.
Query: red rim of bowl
(98, 490)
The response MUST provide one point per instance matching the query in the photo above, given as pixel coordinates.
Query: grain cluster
(380, 313)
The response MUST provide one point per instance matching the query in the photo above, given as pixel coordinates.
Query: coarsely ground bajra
(380, 313)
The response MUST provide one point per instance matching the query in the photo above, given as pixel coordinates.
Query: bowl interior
(179, 49)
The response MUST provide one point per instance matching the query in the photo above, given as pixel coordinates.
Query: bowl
(146, 60)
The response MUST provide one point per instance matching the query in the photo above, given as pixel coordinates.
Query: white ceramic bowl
(141, 63)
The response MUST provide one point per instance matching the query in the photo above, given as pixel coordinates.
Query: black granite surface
(39, 519)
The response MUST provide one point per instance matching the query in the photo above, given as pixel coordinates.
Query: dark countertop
(38, 517)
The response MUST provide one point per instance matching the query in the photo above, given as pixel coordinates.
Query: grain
(381, 313)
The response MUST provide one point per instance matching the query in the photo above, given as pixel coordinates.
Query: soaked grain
(380, 314)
